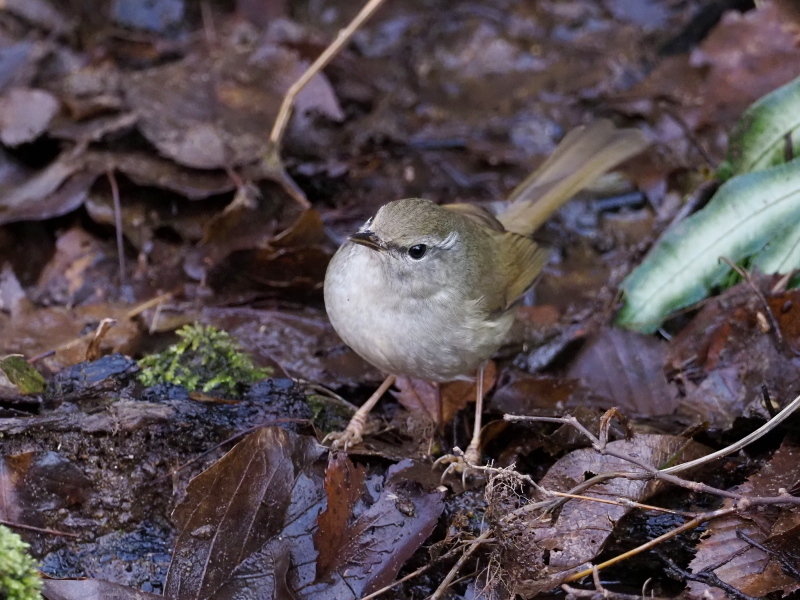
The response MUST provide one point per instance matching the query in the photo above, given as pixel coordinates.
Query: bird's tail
(585, 153)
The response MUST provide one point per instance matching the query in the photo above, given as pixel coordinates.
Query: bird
(428, 291)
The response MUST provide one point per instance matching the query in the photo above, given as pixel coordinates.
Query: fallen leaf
(25, 115)
(580, 529)
(628, 369)
(247, 518)
(344, 484)
(439, 403)
(56, 190)
(743, 566)
(211, 111)
(22, 374)
(378, 542)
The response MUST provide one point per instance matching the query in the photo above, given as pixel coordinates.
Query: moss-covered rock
(204, 359)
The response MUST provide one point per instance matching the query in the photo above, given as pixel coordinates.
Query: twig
(786, 564)
(699, 520)
(705, 576)
(278, 129)
(748, 439)
(457, 567)
(112, 181)
(599, 591)
(37, 529)
(410, 576)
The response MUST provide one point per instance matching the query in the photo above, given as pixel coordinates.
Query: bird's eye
(418, 251)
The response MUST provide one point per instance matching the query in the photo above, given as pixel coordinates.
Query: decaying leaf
(377, 542)
(246, 517)
(724, 358)
(252, 524)
(628, 369)
(580, 529)
(738, 563)
(344, 484)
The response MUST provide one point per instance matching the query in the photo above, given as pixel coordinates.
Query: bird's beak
(368, 239)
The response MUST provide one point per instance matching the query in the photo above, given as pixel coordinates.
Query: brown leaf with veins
(581, 528)
(745, 567)
(344, 484)
(247, 518)
(628, 369)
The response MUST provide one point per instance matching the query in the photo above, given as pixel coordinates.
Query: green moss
(19, 579)
(327, 414)
(204, 359)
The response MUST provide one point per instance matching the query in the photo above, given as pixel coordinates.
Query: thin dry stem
(697, 521)
(278, 129)
(457, 567)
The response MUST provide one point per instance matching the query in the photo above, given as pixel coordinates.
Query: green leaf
(758, 140)
(782, 255)
(745, 214)
(22, 374)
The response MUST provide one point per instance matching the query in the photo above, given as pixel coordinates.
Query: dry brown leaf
(744, 567)
(628, 369)
(581, 528)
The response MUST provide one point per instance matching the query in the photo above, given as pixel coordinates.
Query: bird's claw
(342, 440)
(457, 462)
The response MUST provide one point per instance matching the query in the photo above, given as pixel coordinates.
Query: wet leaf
(745, 214)
(745, 567)
(25, 114)
(628, 369)
(22, 374)
(344, 484)
(376, 544)
(247, 525)
(245, 518)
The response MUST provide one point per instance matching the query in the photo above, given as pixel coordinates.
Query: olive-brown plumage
(427, 291)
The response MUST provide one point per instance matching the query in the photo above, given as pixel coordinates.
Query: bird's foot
(459, 462)
(351, 436)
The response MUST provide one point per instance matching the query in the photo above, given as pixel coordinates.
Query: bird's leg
(460, 462)
(352, 434)
(473, 454)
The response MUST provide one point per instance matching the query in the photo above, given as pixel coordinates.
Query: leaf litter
(171, 115)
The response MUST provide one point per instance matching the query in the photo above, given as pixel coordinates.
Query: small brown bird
(428, 291)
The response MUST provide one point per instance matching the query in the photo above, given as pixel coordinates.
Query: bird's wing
(523, 261)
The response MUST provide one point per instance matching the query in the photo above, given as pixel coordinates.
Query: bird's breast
(438, 337)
